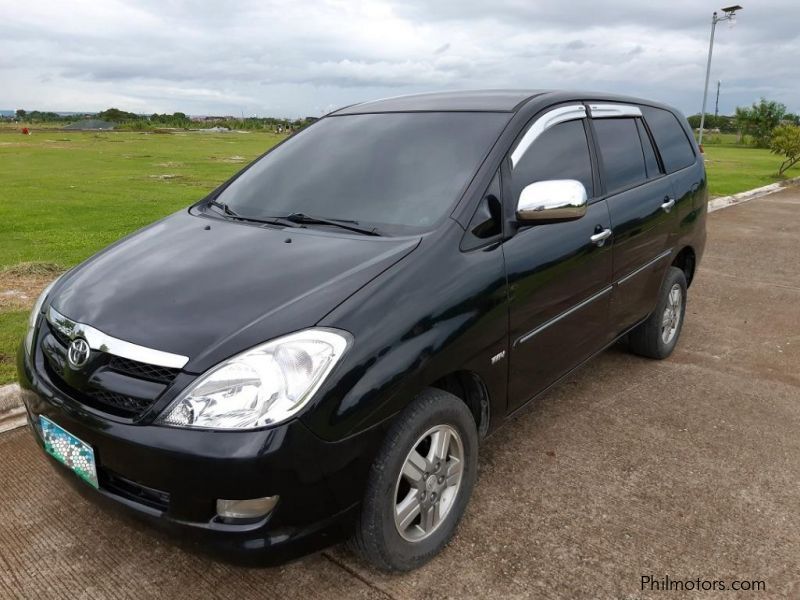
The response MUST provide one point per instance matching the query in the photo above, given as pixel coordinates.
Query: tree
(791, 118)
(786, 142)
(759, 120)
(117, 115)
(21, 114)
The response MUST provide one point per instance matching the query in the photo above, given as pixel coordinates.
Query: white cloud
(308, 56)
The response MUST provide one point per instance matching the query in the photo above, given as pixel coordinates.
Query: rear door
(641, 205)
(679, 159)
(558, 279)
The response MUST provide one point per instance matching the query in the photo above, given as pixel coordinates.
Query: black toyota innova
(314, 351)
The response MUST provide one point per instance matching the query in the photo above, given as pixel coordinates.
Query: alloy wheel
(428, 483)
(672, 314)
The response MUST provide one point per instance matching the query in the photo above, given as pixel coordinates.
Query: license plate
(69, 450)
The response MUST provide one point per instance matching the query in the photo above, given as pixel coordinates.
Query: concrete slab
(684, 468)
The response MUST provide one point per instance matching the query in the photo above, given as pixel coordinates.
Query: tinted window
(650, 160)
(398, 169)
(561, 152)
(676, 150)
(621, 151)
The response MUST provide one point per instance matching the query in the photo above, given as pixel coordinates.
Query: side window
(676, 150)
(650, 160)
(621, 151)
(560, 152)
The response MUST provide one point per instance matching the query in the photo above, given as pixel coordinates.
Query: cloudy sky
(306, 57)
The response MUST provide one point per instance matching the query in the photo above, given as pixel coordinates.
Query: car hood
(208, 288)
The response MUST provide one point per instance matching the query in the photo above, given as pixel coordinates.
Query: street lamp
(730, 15)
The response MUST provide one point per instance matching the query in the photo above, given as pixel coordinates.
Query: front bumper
(172, 477)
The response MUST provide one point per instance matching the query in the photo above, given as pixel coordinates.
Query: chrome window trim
(102, 342)
(524, 338)
(607, 111)
(542, 124)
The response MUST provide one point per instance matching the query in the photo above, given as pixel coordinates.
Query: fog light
(246, 509)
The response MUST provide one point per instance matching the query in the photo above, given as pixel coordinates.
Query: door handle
(598, 239)
(668, 204)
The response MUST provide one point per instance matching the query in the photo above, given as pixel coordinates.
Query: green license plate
(69, 450)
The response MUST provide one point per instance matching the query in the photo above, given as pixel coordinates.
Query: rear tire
(419, 484)
(658, 335)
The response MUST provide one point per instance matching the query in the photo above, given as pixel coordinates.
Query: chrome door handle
(668, 204)
(598, 239)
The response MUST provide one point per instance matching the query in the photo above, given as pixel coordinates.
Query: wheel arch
(686, 261)
(470, 388)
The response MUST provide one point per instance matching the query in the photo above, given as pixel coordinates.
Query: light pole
(730, 15)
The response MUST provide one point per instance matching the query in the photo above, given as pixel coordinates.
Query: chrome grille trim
(110, 345)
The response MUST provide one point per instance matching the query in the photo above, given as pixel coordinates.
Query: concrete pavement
(687, 468)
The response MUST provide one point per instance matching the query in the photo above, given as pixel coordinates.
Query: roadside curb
(9, 397)
(726, 201)
(12, 419)
(12, 414)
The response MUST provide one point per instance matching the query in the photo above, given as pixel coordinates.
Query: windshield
(402, 170)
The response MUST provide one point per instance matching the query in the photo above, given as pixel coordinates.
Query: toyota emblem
(78, 354)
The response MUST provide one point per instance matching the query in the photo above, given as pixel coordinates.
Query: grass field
(735, 168)
(65, 195)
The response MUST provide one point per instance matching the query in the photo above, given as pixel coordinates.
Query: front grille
(136, 378)
(142, 370)
(63, 339)
(119, 402)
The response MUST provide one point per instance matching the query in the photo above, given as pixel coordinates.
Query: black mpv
(315, 350)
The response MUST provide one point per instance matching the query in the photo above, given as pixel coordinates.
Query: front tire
(419, 484)
(658, 335)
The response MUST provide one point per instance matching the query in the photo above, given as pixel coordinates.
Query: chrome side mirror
(551, 201)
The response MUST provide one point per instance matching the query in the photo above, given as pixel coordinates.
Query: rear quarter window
(621, 150)
(675, 148)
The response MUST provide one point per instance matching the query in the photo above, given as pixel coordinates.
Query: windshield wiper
(342, 223)
(232, 214)
(295, 220)
(225, 208)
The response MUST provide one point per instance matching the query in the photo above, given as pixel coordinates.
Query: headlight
(263, 386)
(33, 319)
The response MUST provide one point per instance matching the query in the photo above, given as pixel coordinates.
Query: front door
(559, 279)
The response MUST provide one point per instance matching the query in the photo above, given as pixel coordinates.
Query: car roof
(469, 100)
(484, 101)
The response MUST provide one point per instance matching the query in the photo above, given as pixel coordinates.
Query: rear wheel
(658, 335)
(420, 483)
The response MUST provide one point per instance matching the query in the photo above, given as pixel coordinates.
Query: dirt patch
(228, 159)
(166, 177)
(169, 164)
(21, 284)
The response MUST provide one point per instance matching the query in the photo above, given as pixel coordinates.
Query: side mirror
(552, 201)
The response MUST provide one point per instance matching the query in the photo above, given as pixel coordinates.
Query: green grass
(67, 194)
(12, 328)
(734, 167)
